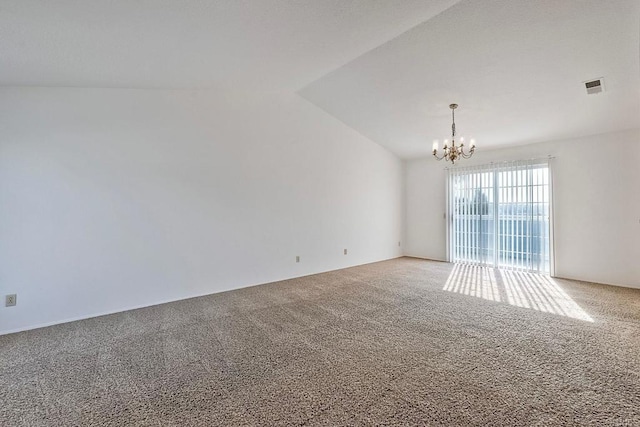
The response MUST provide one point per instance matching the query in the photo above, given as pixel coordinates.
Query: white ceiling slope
(237, 44)
(516, 68)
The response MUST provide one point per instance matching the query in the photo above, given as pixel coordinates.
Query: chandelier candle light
(453, 152)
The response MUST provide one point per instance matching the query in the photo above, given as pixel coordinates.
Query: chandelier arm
(467, 155)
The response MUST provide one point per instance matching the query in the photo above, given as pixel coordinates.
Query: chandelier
(453, 152)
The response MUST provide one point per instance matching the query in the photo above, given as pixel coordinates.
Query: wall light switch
(297, 259)
(345, 251)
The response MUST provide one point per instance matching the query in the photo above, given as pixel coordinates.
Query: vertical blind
(499, 215)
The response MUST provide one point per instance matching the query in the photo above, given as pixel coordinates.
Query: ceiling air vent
(594, 86)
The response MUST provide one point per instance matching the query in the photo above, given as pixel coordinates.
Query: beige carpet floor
(401, 342)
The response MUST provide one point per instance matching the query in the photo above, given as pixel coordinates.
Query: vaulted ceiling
(387, 68)
(185, 44)
(515, 67)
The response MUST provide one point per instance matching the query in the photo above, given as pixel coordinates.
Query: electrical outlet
(345, 251)
(11, 300)
(297, 258)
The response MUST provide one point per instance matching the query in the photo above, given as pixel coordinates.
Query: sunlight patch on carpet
(517, 288)
(473, 280)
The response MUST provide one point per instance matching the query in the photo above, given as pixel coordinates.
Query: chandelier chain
(453, 122)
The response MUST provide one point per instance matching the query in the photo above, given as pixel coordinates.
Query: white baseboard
(135, 307)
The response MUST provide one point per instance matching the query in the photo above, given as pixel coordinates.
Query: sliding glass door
(500, 215)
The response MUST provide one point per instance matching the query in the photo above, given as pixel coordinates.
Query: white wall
(115, 198)
(597, 205)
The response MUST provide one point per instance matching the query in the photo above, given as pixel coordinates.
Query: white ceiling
(516, 68)
(387, 68)
(244, 44)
